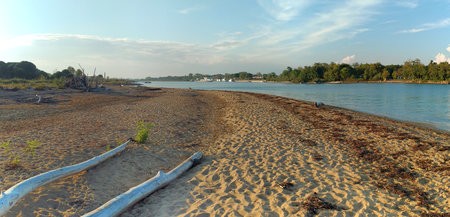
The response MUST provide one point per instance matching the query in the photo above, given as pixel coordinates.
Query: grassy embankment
(43, 84)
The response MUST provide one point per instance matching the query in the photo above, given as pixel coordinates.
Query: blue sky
(136, 39)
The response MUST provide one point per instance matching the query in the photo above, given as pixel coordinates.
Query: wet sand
(264, 155)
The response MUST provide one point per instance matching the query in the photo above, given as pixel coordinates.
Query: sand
(264, 155)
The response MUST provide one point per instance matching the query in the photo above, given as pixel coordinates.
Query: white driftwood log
(120, 203)
(12, 195)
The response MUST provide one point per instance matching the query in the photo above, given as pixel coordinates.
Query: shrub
(142, 130)
(59, 83)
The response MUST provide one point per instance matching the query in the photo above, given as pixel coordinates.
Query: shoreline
(264, 155)
(411, 123)
(434, 126)
(331, 82)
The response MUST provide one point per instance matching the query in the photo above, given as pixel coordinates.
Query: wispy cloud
(407, 3)
(228, 44)
(188, 10)
(349, 59)
(284, 10)
(429, 26)
(344, 20)
(448, 49)
(339, 23)
(389, 21)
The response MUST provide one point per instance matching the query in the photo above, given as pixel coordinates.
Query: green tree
(78, 72)
(2, 66)
(285, 74)
(432, 71)
(443, 71)
(346, 72)
(319, 69)
(413, 70)
(63, 74)
(332, 72)
(24, 70)
(372, 71)
(310, 74)
(270, 76)
(385, 74)
(245, 76)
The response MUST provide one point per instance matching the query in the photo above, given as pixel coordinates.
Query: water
(422, 103)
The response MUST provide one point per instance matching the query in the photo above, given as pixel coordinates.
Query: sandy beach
(263, 155)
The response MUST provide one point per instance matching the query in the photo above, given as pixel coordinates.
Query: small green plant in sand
(31, 147)
(14, 162)
(13, 159)
(6, 146)
(142, 130)
(108, 147)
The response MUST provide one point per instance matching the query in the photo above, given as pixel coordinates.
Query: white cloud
(113, 53)
(349, 59)
(284, 10)
(448, 49)
(440, 58)
(407, 3)
(429, 26)
(6, 44)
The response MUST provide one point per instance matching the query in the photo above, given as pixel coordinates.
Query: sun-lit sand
(264, 155)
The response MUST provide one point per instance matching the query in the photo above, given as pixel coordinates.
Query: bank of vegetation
(410, 71)
(23, 75)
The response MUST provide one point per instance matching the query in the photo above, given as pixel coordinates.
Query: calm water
(423, 103)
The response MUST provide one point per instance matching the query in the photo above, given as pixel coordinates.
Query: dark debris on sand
(313, 204)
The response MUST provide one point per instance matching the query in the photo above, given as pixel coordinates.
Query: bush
(142, 130)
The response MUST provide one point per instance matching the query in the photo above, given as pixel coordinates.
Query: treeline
(27, 70)
(411, 70)
(23, 75)
(24, 70)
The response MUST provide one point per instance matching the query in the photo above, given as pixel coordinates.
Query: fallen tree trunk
(15, 193)
(120, 203)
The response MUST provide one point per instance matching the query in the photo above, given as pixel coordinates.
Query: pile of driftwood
(78, 82)
(82, 81)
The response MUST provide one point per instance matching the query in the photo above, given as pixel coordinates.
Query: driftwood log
(15, 193)
(120, 203)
